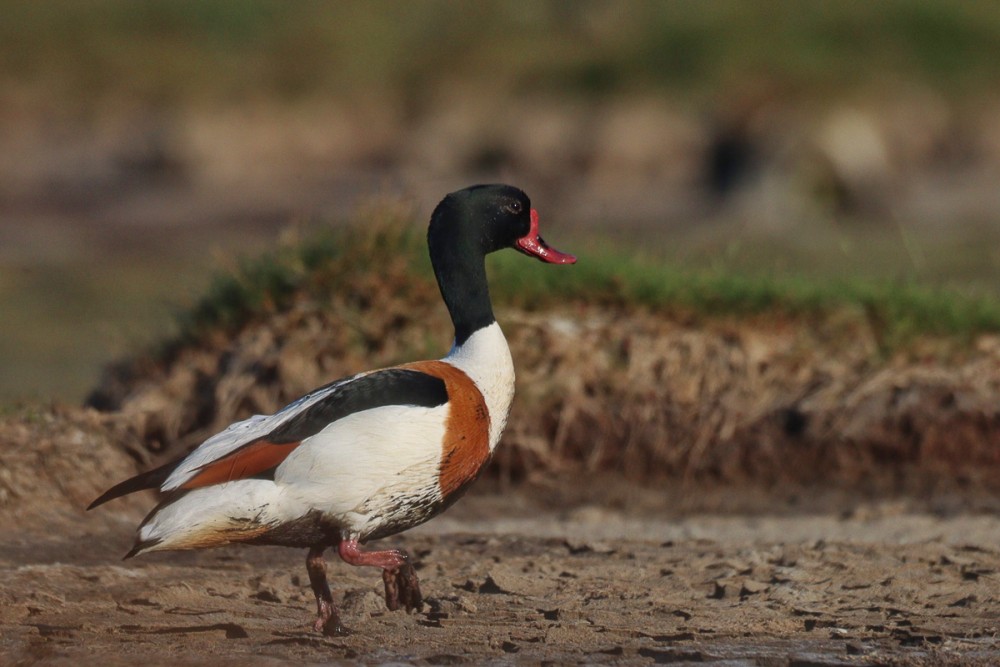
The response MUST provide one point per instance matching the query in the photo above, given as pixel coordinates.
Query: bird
(370, 455)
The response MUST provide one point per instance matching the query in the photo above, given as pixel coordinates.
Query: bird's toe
(402, 589)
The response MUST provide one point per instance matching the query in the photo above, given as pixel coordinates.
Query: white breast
(485, 358)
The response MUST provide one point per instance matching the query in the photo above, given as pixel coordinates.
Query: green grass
(898, 312)
(72, 319)
(310, 265)
(170, 51)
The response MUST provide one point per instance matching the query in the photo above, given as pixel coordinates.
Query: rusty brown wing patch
(466, 446)
(245, 462)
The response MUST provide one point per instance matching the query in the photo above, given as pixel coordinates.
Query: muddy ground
(869, 536)
(531, 578)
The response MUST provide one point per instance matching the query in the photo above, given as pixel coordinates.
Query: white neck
(485, 358)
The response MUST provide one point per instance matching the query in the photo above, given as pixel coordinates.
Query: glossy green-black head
(465, 227)
(485, 218)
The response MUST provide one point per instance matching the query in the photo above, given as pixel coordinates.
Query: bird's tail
(210, 517)
(150, 479)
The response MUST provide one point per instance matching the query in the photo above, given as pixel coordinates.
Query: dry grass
(615, 384)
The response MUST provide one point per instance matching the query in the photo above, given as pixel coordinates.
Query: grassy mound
(321, 264)
(622, 365)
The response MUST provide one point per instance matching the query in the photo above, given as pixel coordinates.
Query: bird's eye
(514, 207)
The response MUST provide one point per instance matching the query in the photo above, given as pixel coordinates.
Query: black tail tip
(110, 494)
(141, 546)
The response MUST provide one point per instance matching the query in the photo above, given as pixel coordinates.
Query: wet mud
(508, 581)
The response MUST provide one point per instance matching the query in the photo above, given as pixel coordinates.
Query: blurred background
(144, 145)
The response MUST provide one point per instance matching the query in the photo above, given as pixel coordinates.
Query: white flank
(363, 471)
(369, 468)
(485, 358)
(204, 517)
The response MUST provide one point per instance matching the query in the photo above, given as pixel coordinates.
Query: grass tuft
(316, 264)
(304, 263)
(898, 312)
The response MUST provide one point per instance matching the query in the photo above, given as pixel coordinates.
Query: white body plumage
(366, 471)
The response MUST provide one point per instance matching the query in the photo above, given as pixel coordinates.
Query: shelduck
(370, 455)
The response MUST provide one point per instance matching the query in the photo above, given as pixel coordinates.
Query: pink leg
(401, 585)
(327, 619)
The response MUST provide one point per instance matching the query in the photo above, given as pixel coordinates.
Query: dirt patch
(510, 581)
(55, 460)
(578, 569)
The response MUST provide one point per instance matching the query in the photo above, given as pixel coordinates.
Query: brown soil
(584, 569)
(509, 581)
